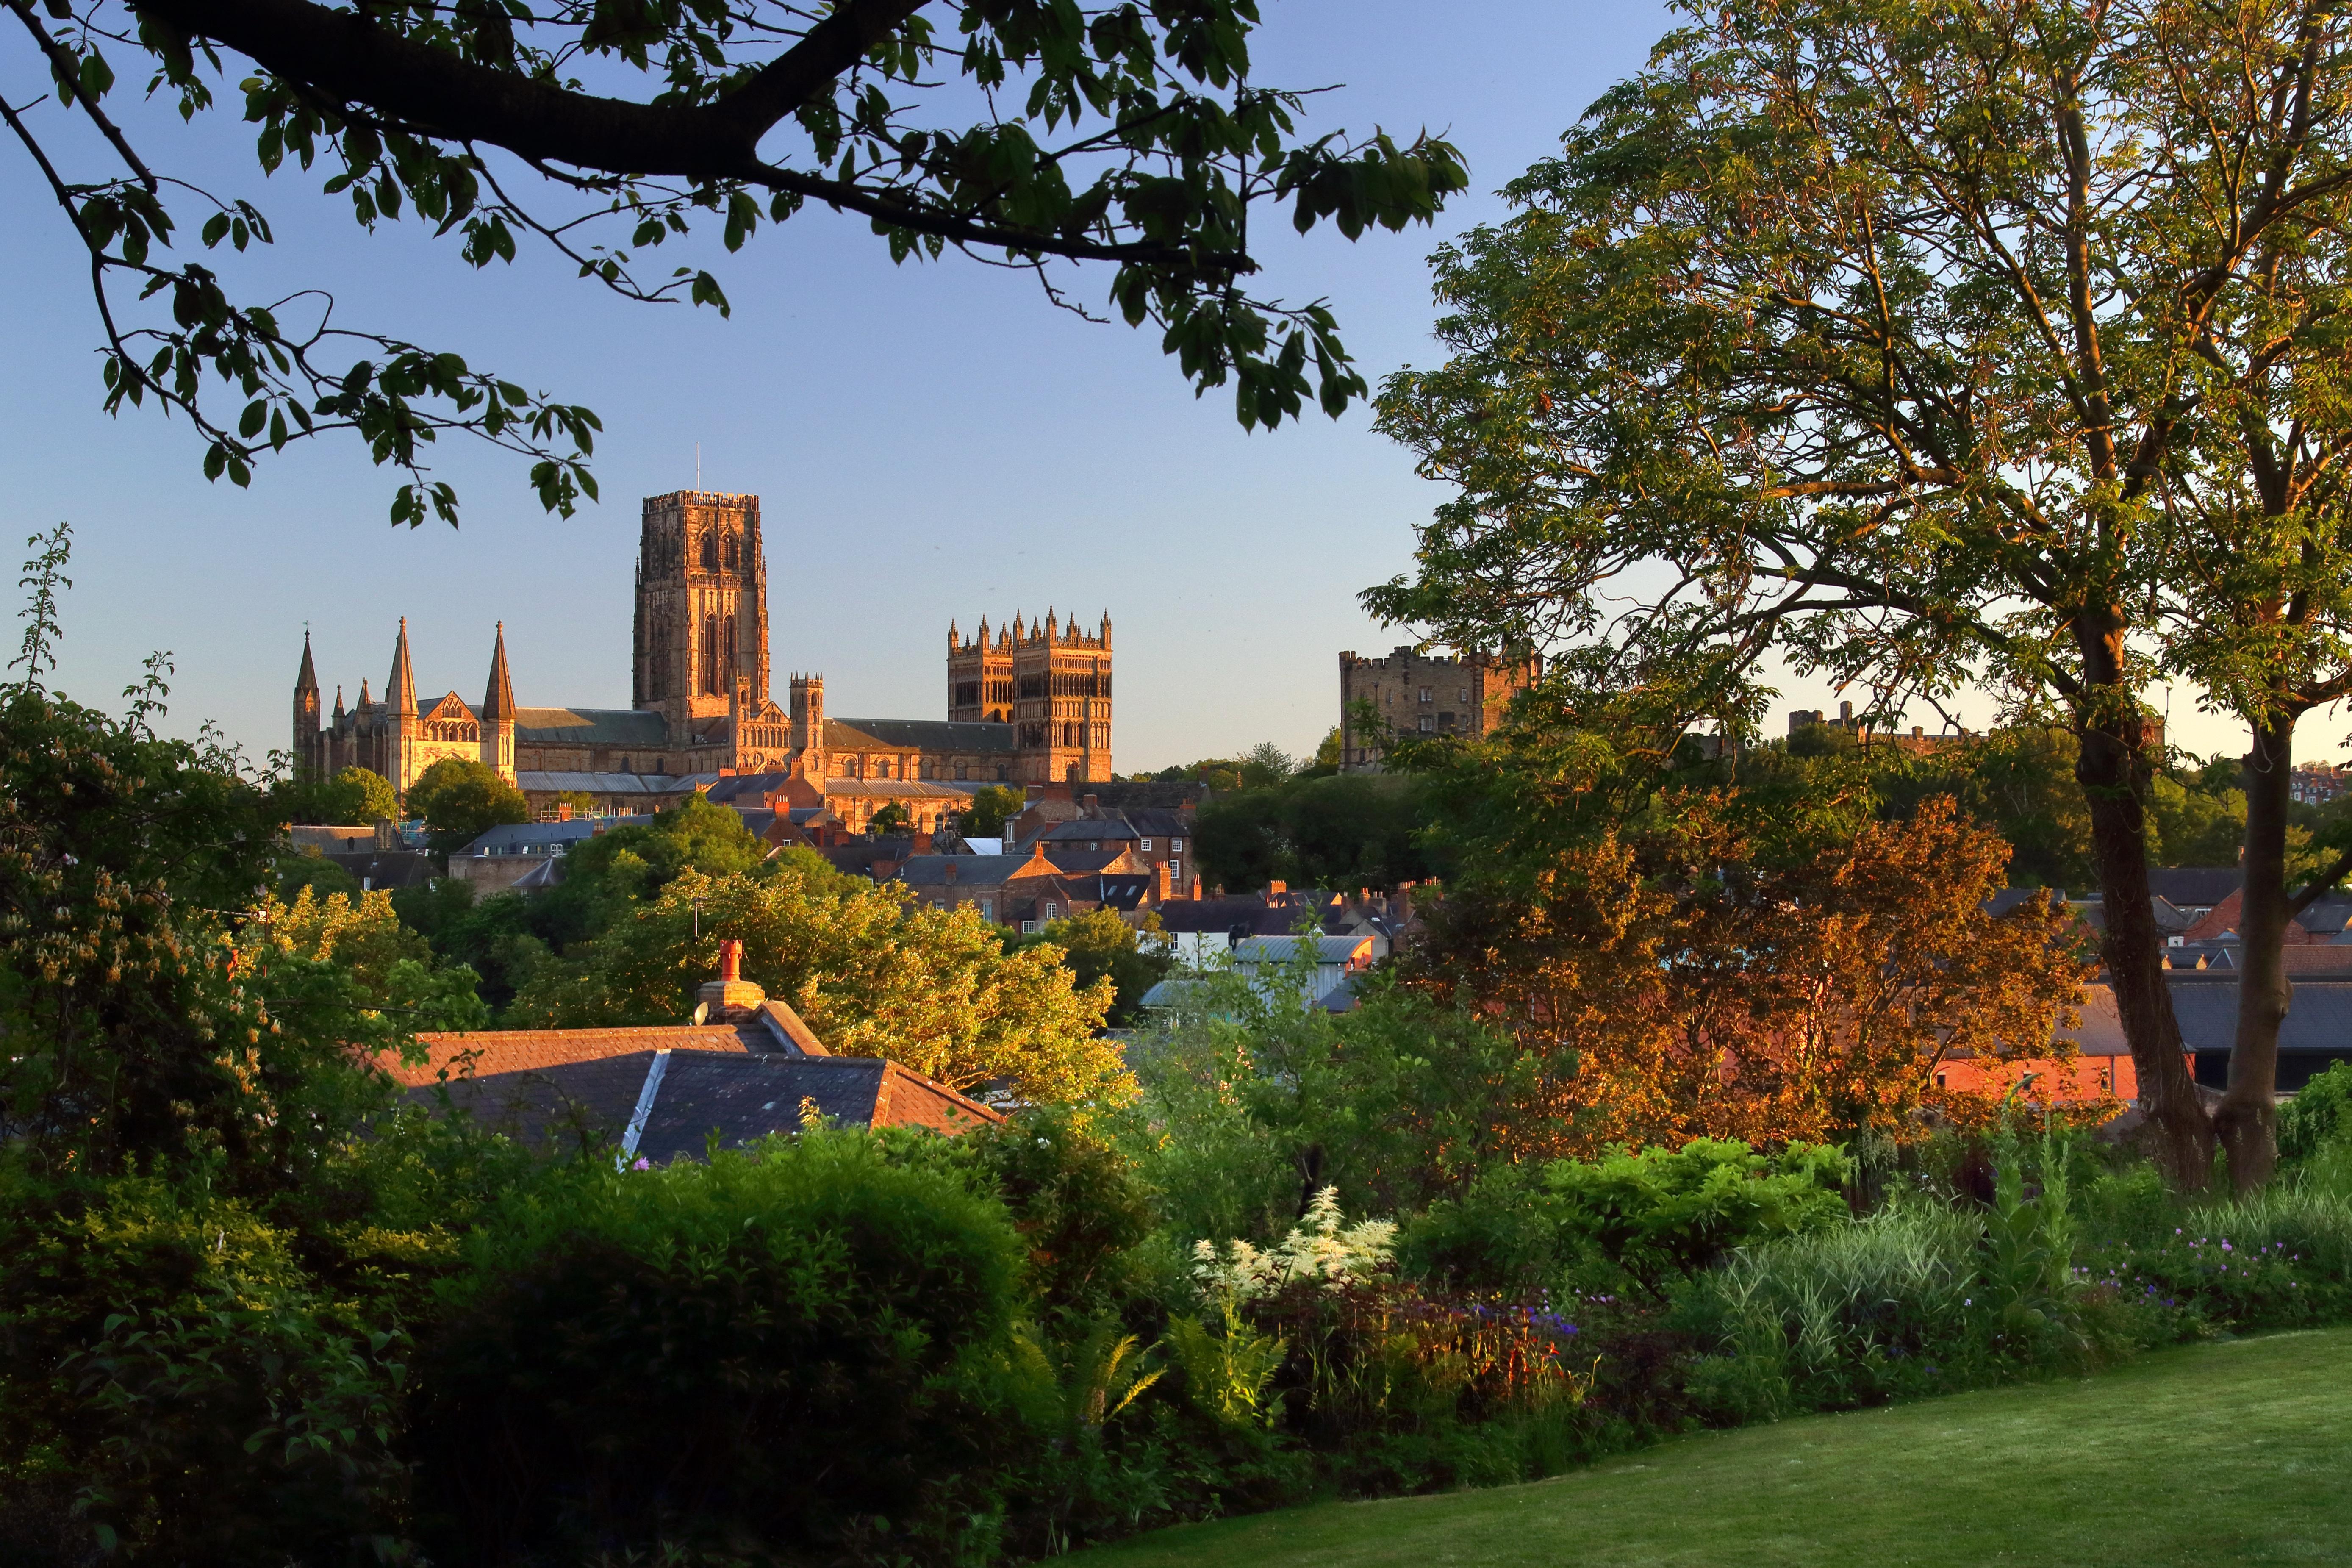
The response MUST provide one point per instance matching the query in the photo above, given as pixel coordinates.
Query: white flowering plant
(1321, 1251)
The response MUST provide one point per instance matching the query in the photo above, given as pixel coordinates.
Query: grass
(2230, 1453)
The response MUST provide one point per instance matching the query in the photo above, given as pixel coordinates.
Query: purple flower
(643, 1164)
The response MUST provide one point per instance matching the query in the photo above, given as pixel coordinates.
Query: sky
(929, 442)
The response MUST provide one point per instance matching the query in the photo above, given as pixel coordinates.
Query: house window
(1053, 911)
(1426, 695)
(1939, 1080)
(1175, 846)
(939, 904)
(1428, 725)
(1028, 928)
(1466, 694)
(988, 908)
(1144, 845)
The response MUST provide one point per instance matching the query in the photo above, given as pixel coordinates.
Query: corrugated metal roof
(1283, 949)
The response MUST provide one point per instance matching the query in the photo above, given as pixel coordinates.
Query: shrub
(2320, 1114)
(177, 1388)
(1656, 1215)
(791, 1346)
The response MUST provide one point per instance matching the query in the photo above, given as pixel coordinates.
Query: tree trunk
(2247, 1117)
(2112, 768)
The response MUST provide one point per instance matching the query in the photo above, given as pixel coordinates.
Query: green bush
(801, 1347)
(178, 1389)
(1654, 1216)
(2319, 1115)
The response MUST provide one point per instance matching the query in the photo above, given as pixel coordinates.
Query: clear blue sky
(928, 442)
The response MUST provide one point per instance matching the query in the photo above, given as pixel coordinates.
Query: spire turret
(339, 701)
(497, 703)
(399, 690)
(307, 680)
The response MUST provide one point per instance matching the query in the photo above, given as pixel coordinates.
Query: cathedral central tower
(702, 609)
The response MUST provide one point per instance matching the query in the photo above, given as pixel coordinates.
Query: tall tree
(1024, 132)
(1886, 335)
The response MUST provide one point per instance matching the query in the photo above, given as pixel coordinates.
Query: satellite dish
(702, 1012)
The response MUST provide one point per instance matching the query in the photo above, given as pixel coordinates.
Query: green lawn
(2228, 1453)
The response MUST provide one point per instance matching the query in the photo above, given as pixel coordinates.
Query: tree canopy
(353, 797)
(1920, 347)
(1028, 135)
(460, 799)
(933, 989)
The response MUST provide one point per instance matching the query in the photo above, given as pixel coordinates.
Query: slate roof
(2319, 1019)
(587, 1088)
(2327, 917)
(1089, 830)
(387, 868)
(549, 782)
(744, 1099)
(1078, 862)
(2194, 886)
(1124, 892)
(540, 838)
(971, 870)
(752, 787)
(919, 735)
(2319, 959)
(591, 727)
(1223, 915)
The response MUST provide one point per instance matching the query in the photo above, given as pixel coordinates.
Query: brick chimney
(1163, 880)
(1090, 807)
(731, 998)
(923, 841)
(1276, 889)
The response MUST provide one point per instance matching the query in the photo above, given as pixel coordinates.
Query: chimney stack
(731, 998)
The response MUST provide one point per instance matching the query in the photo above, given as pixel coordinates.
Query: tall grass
(1926, 1295)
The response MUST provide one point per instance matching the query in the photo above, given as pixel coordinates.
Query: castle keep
(1030, 704)
(1413, 693)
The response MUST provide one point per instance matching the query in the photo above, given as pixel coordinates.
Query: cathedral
(1030, 704)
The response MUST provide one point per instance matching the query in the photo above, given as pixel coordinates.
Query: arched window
(731, 557)
(710, 551)
(726, 654)
(710, 653)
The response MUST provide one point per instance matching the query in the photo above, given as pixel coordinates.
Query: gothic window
(727, 645)
(732, 559)
(710, 653)
(710, 551)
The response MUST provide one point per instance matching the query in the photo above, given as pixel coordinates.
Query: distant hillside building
(700, 700)
(1413, 693)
